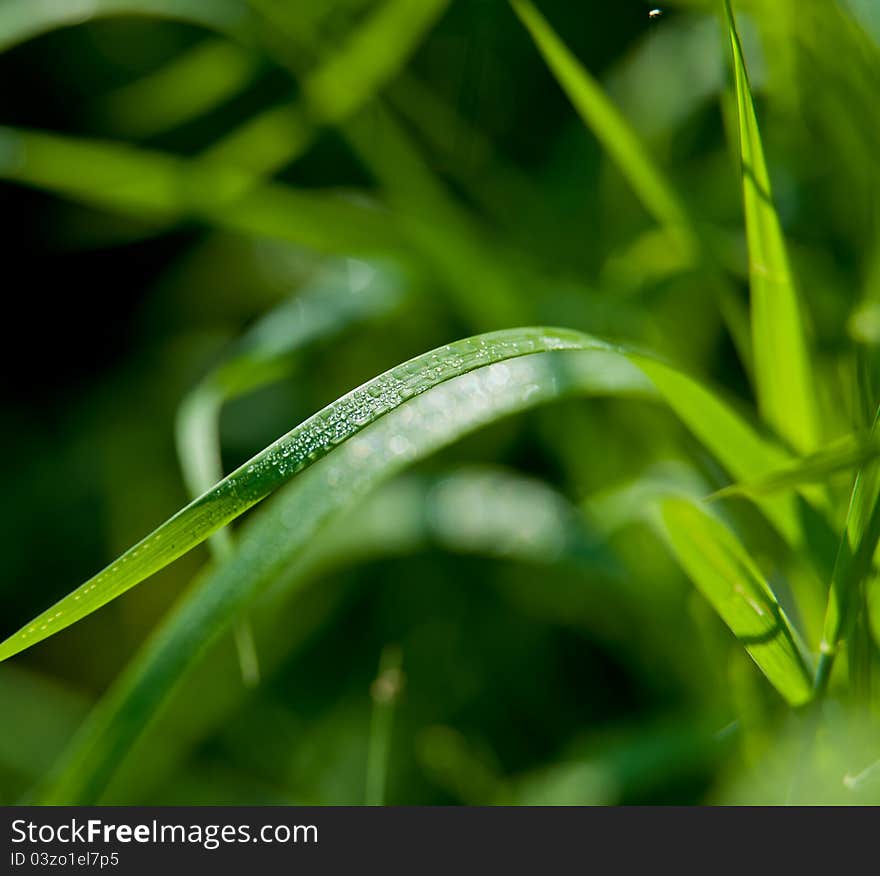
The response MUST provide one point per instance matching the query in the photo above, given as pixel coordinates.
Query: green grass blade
(194, 83)
(783, 372)
(275, 538)
(855, 556)
(723, 572)
(21, 20)
(279, 462)
(149, 184)
(344, 293)
(376, 52)
(385, 691)
(340, 85)
(816, 468)
(744, 452)
(471, 510)
(727, 435)
(271, 542)
(610, 127)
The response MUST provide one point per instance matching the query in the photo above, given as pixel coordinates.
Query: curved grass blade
(21, 20)
(816, 468)
(736, 444)
(612, 129)
(344, 294)
(724, 573)
(472, 510)
(153, 185)
(731, 439)
(192, 84)
(783, 372)
(273, 541)
(426, 422)
(279, 462)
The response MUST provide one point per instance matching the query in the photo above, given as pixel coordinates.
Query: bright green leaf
(816, 468)
(612, 129)
(783, 372)
(852, 566)
(723, 572)
(735, 445)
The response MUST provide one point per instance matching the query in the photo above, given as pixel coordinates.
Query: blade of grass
(853, 563)
(336, 88)
(724, 573)
(610, 127)
(816, 468)
(22, 20)
(150, 184)
(716, 424)
(573, 364)
(279, 462)
(385, 692)
(735, 444)
(634, 161)
(192, 84)
(344, 293)
(472, 510)
(783, 372)
(273, 540)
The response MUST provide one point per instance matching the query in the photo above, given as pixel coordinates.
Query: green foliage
(783, 370)
(302, 195)
(725, 574)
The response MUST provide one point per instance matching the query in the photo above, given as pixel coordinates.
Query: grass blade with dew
(578, 365)
(729, 437)
(855, 556)
(22, 20)
(346, 292)
(783, 371)
(611, 128)
(723, 572)
(385, 691)
(289, 455)
(148, 184)
(380, 447)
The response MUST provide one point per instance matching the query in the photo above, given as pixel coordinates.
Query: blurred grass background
(551, 649)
